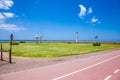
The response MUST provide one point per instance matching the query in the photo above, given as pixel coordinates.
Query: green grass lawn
(50, 50)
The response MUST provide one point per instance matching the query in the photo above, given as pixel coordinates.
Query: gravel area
(20, 63)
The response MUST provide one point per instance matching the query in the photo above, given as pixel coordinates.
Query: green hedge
(69, 42)
(22, 42)
(15, 43)
(96, 44)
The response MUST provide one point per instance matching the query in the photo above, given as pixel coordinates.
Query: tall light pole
(76, 37)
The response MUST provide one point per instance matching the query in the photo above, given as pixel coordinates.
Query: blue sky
(60, 19)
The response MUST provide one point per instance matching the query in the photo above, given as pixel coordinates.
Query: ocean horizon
(60, 40)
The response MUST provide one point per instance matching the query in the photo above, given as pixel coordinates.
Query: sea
(60, 41)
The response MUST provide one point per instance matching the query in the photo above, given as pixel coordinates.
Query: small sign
(11, 37)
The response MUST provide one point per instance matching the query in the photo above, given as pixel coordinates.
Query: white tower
(76, 37)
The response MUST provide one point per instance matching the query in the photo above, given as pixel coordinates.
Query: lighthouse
(76, 37)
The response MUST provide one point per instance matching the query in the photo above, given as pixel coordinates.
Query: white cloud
(82, 11)
(2, 16)
(10, 27)
(94, 20)
(5, 15)
(90, 10)
(6, 4)
(8, 15)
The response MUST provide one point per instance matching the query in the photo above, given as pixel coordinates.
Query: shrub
(15, 43)
(117, 43)
(96, 44)
(22, 42)
(69, 42)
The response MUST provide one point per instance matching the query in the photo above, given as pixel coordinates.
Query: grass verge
(51, 50)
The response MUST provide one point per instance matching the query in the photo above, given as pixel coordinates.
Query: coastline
(80, 41)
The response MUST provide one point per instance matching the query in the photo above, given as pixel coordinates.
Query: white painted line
(107, 78)
(116, 71)
(66, 75)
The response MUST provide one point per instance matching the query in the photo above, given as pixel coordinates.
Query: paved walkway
(103, 66)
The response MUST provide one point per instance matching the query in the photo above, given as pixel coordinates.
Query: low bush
(69, 42)
(22, 42)
(96, 44)
(117, 43)
(15, 43)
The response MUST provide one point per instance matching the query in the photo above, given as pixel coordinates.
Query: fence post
(10, 51)
(1, 52)
(10, 56)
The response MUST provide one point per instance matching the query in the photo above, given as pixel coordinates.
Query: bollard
(10, 56)
(1, 52)
(10, 51)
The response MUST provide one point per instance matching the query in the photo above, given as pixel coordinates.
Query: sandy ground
(19, 63)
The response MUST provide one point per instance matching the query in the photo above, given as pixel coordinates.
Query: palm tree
(96, 38)
(37, 38)
(40, 38)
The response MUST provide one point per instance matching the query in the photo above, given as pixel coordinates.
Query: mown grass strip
(51, 50)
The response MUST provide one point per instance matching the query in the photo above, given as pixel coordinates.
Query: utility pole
(76, 37)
